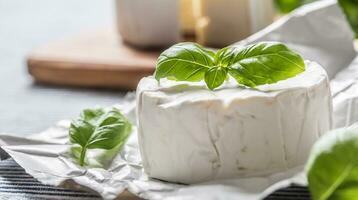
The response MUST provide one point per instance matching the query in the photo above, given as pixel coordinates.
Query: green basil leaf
(350, 8)
(98, 129)
(286, 6)
(257, 64)
(332, 168)
(92, 115)
(215, 76)
(184, 62)
(261, 63)
(80, 131)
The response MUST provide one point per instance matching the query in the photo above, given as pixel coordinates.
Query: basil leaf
(332, 168)
(184, 62)
(262, 63)
(98, 129)
(215, 76)
(91, 115)
(350, 8)
(286, 6)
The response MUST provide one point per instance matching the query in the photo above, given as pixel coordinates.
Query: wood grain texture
(126, 195)
(91, 59)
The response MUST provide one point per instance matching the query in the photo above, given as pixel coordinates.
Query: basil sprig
(99, 129)
(252, 65)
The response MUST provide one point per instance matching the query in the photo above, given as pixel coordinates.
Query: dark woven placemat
(291, 193)
(15, 183)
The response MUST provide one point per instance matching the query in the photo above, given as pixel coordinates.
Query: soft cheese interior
(190, 134)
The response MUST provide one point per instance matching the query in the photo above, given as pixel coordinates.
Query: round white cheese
(189, 134)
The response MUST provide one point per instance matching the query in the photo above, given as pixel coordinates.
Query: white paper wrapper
(50, 163)
(319, 31)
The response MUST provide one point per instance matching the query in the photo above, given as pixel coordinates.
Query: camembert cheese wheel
(189, 134)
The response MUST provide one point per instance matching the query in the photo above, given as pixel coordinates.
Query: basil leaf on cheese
(332, 168)
(253, 65)
(99, 129)
(184, 62)
(215, 76)
(262, 63)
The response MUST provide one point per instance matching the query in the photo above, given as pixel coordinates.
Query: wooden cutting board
(91, 59)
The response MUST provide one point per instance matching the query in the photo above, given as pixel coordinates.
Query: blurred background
(26, 107)
(59, 57)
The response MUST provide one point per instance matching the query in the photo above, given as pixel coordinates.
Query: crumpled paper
(50, 163)
(318, 31)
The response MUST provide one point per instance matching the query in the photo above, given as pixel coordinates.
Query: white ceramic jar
(148, 23)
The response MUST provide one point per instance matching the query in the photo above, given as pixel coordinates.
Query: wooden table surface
(97, 58)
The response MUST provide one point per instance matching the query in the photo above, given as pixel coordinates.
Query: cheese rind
(189, 134)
